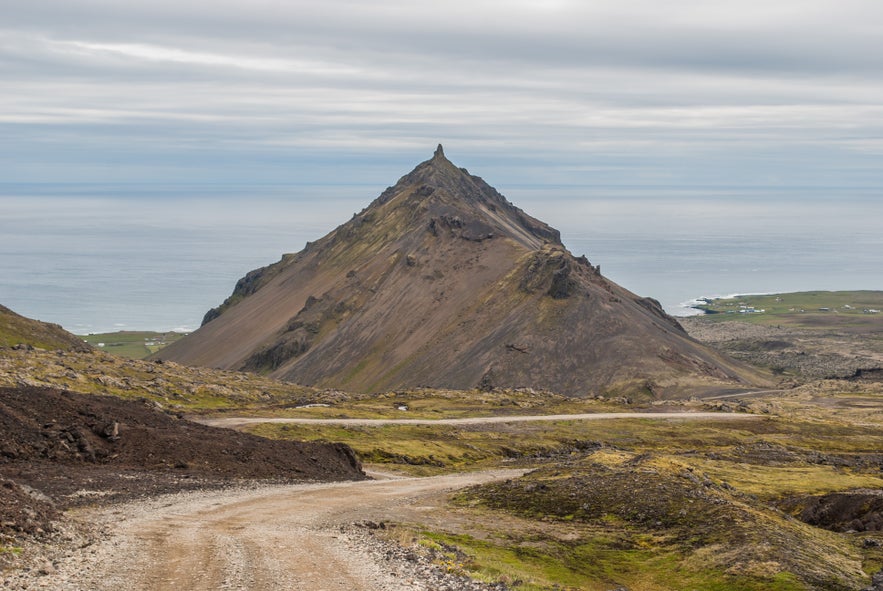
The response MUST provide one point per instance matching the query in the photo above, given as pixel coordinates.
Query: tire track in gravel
(272, 538)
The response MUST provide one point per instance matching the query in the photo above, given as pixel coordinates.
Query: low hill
(442, 282)
(16, 330)
(635, 520)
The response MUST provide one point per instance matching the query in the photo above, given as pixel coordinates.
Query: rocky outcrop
(848, 511)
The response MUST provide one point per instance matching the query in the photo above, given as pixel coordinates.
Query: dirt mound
(858, 510)
(63, 448)
(66, 427)
(24, 511)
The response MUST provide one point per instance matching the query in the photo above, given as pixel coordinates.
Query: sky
(682, 94)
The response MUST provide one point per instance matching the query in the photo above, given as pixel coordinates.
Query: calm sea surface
(97, 259)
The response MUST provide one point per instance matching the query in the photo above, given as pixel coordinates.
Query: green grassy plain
(745, 454)
(810, 309)
(132, 344)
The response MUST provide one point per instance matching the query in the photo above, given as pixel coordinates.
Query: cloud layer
(627, 92)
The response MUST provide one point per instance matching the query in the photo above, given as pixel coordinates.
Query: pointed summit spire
(439, 153)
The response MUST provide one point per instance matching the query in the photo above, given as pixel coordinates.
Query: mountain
(19, 331)
(442, 282)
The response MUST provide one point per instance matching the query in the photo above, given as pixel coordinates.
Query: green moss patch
(669, 526)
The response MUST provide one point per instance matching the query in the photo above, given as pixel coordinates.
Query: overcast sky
(681, 93)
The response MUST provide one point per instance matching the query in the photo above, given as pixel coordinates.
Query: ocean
(107, 258)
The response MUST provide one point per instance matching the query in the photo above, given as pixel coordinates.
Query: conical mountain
(442, 282)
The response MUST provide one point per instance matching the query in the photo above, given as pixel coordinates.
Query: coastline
(691, 307)
(828, 304)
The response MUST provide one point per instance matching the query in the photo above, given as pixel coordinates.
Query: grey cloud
(165, 87)
(745, 35)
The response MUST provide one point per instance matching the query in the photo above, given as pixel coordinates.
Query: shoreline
(685, 309)
(696, 302)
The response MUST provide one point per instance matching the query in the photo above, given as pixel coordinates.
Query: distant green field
(808, 308)
(132, 344)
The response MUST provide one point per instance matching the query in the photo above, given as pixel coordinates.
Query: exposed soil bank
(61, 449)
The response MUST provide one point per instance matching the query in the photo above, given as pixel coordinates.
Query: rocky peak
(446, 189)
(438, 173)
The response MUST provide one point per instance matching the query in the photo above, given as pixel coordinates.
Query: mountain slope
(17, 330)
(442, 282)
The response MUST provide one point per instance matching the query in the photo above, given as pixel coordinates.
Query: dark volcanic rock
(59, 443)
(859, 510)
(874, 374)
(61, 449)
(24, 512)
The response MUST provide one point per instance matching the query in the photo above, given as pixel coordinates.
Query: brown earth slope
(442, 282)
(59, 449)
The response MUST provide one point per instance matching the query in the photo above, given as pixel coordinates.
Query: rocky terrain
(104, 492)
(825, 350)
(442, 282)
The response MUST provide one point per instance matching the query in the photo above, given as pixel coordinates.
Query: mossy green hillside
(592, 559)
(653, 522)
(16, 330)
(173, 386)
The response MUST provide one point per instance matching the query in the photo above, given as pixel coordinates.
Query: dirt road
(236, 422)
(273, 538)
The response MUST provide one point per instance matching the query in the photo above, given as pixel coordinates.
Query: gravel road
(236, 422)
(261, 538)
(269, 537)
